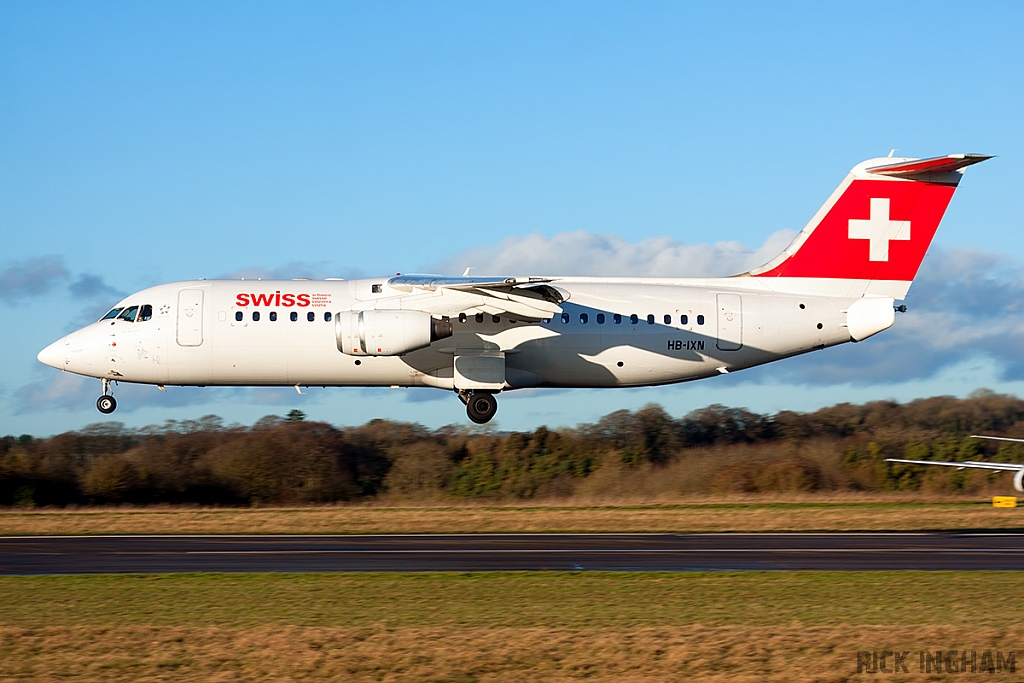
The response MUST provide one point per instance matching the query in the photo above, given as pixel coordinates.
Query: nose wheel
(106, 403)
(480, 406)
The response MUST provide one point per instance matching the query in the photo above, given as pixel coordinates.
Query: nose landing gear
(480, 405)
(106, 403)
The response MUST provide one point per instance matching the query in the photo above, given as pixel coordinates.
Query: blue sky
(142, 143)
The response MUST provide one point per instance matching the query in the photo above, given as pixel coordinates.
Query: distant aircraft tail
(871, 235)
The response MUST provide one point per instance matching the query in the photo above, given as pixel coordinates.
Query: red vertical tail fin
(871, 235)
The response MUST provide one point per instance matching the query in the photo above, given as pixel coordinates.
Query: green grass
(555, 599)
(792, 627)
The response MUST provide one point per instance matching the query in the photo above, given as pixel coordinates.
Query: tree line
(625, 455)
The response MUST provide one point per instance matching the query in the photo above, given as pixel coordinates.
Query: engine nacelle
(387, 333)
(1018, 480)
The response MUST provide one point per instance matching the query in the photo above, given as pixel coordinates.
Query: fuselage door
(730, 322)
(190, 317)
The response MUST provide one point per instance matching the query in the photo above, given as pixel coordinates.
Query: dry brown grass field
(834, 513)
(786, 626)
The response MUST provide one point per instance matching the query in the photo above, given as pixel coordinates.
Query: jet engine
(387, 333)
(1018, 480)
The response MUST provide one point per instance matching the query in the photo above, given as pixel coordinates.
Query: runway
(508, 552)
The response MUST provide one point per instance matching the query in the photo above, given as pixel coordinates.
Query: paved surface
(495, 552)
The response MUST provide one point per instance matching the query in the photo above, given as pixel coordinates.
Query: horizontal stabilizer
(922, 167)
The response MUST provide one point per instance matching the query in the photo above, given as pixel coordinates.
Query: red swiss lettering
(275, 299)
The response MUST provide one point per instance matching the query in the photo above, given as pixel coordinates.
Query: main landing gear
(106, 403)
(480, 405)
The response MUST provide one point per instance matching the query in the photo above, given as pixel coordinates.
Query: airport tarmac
(509, 552)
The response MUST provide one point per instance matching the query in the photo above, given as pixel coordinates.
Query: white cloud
(965, 303)
(583, 253)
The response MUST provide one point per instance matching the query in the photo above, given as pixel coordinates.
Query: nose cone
(54, 355)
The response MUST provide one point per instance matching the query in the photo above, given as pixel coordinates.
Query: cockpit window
(113, 313)
(129, 314)
(145, 313)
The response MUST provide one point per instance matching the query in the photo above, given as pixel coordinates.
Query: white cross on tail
(879, 230)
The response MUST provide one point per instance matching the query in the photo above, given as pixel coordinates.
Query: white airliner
(477, 336)
(1016, 467)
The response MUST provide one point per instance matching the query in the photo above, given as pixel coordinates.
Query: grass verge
(791, 626)
(691, 517)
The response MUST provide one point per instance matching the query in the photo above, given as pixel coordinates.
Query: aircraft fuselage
(612, 333)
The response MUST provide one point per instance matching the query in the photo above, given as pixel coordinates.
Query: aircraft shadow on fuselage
(574, 355)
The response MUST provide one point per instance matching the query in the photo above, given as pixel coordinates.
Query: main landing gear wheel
(481, 407)
(106, 404)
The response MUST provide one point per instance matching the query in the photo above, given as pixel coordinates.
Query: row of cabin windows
(293, 316)
(130, 314)
(480, 318)
(599, 318)
(633, 319)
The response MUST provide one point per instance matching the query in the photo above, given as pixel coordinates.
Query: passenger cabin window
(479, 317)
(584, 318)
(650, 318)
(145, 313)
(327, 317)
(700, 320)
(668, 319)
(682, 319)
(311, 316)
(273, 316)
(634, 319)
(617, 319)
(463, 317)
(565, 318)
(293, 316)
(255, 316)
(495, 319)
(113, 314)
(600, 318)
(238, 316)
(377, 289)
(129, 314)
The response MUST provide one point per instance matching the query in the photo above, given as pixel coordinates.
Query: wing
(997, 438)
(1001, 466)
(529, 298)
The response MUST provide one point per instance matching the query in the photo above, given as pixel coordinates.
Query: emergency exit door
(190, 317)
(730, 322)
